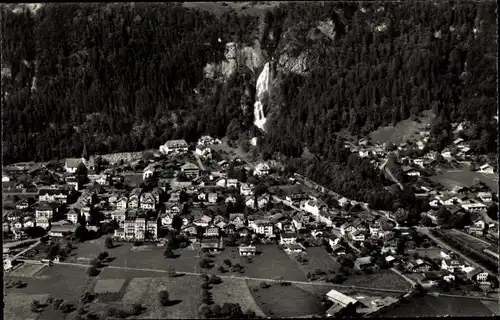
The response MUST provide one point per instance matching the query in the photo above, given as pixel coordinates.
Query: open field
(273, 263)
(453, 178)
(59, 281)
(184, 290)
(431, 253)
(317, 258)
(383, 279)
(235, 291)
(469, 239)
(27, 270)
(285, 301)
(18, 306)
(403, 130)
(438, 306)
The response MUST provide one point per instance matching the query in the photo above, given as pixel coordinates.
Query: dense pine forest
(130, 77)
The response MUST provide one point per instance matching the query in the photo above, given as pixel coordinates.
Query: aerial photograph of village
(250, 160)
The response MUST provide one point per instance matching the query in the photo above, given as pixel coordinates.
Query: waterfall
(261, 88)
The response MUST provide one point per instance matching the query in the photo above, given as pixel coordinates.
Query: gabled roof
(189, 166)
(72, 162)
(342, 298)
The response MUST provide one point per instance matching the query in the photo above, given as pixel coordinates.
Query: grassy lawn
(235, 291)
(473, 241)
(438, 306)
(318, 258)
(383, 279)
(273, 263)
(17, 306)
(464, 178)
(403, 130)
(285, 301)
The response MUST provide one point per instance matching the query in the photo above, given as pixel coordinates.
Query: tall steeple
(85, 156)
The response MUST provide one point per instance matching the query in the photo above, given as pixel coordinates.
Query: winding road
(389, 173)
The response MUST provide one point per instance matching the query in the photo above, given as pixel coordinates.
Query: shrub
(205, 297)
(227, 262)
(96, 262)
(35, 306)
(205, 264)
(92, 271)
(215, 280)
(168, 253)
(108, 243)
(264, 285)
(57, 303)
(137, 243)
(163, 297)
(204, 277)
(66, 307)
(205, 285)
(103, 256)
(137, 309)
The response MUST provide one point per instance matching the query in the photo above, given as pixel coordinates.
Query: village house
(358, 236)
(206, 140)
(474, 207)
(288, 238)
(212, 197)
(211, 243)
(232, 183)
(475, 231)
(230, 199)
(485, 197)
(363, 263)
(454, 265)
(62, 230)
(202, 196)
(419, 162)
(44, 209)
(122, 203)
(103, 180)
(22, 205)
(486, 168)
(166, 219)
(261, 169)
(341, 299)
(203, 151)
(190, 170)
(174, 147)
(481, 277)
(43, 222)
(418, 266)
(346, 228)
(147, 201)
(212, 231)
(247, 189)
(409, 171)
(263, 227)
(247, 250)
(148, 172)
(314, 207)
(72, 216)
(203, 221)
(257, 203)
(72, 182)
(238, 219)
(50, 195)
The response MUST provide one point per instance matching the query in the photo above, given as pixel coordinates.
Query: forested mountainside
(130, 77)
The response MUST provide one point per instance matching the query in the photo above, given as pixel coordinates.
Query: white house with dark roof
(485, 197)
(486, 168)
(174, 147)
(203, 151)
(261, 169)
(190, 170)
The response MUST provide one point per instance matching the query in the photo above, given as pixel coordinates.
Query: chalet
(204, 221)
(458, 141)
(409, 171)
(257, 203)
(338, 250)
(206, 140)
(232, 183)
(190, 170)
(42, 222)
(72, 182)
(223, 164)
(147, 201)
(264, 227)
(212, 197)
(103, 180)
(174, 147)
(247, 189)
(211, 244)
(72, 216)
(62, 230)
(474, 207)
(418, 266)
(202, 196)
(221, 183)
(71, 164)
(358, 236)
(476, 231)
(122, 203)
(148, 172)
(485, 197)
(481, 277)
(238, 219)
(453, 265)
(314, 206)
(203, 151)
(247, 250)
(166, 219)
(486, 168)
(211, 232)
(134, 198)
(49, 195)
(363, 263)
(288, 238)
(261, 169)
(347, 228)
(44, 209)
